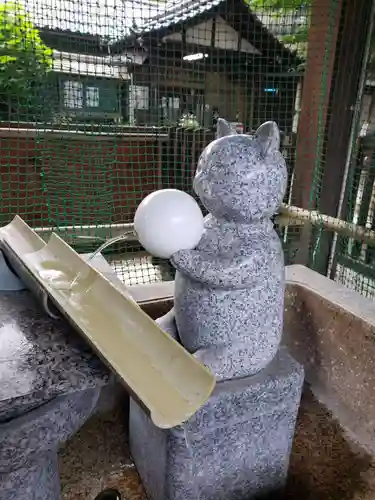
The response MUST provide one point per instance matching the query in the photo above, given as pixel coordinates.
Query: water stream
(194, 472)
(102, 247)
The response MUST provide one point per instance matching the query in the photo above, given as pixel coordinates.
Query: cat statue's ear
(268, 135)
(224, 128)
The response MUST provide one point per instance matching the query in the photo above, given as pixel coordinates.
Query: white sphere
(167, 221)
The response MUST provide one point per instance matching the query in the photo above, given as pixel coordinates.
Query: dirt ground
(324, 464)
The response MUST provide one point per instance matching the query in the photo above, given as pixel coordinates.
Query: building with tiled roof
(155, 61)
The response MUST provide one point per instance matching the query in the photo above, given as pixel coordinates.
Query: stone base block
(29, 446)
(236, 447)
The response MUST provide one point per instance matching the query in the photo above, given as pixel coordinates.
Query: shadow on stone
(274, 495)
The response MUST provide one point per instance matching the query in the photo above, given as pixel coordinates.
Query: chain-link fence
(105, 101)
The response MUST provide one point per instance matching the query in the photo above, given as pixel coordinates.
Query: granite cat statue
(229, 290)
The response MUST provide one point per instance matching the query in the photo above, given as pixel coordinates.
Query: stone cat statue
(229, 290)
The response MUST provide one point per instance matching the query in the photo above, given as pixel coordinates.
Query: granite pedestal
(50, 381)
(29, 446)
(236, 447)
(228, 312)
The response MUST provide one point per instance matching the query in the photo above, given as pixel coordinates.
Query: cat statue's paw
(168, 324)
(215, 358)
(237, 360)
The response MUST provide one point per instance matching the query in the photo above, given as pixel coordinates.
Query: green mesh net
(104, 101)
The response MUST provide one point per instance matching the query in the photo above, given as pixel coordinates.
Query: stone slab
(330, 329)
(40, 358)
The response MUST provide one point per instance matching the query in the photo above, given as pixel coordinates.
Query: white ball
(167, 221)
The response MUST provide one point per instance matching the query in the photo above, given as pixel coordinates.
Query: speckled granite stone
(50, 381)
(40, 358)
(29, 446)
(229, 290)
(236, 447)
(228, 311)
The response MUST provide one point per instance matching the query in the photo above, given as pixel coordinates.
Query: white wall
(225, 37)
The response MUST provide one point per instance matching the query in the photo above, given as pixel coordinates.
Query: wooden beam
(322, 45)
(183, 35)
(213, 33)
(348, 68)
(322, 48)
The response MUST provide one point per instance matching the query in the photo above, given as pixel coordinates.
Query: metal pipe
(79, 134)
(288, 215)
(294, 216)
(100, 232)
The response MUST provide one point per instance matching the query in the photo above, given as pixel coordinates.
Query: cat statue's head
(242, 178)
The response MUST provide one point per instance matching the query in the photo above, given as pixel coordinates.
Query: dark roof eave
(159, 33)
(238, 15)
(65, 32)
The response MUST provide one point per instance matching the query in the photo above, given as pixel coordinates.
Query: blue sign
(271, 90)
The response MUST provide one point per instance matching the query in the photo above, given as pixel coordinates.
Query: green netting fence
(104, 101)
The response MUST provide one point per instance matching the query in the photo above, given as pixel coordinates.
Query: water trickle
(102, 247)
(194, 472)
(186, 440)
(56, 274)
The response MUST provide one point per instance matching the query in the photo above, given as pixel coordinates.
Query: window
(73, 94)
(79, 96)
(170, 105)
(92, 97)
(139, 97)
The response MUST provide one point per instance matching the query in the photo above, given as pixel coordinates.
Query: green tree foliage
(24, 64)
(279, 9)
(281, 4)
(298, 39)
